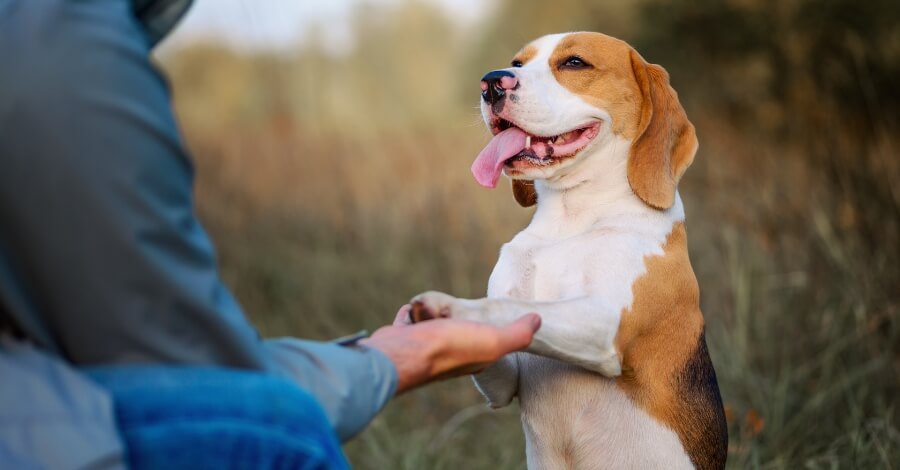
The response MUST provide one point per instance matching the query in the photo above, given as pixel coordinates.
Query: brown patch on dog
(527, 53)
(643, 106)
(418, 313)
(608, 83)
(667, 141)
(523, 191)
(666, 369)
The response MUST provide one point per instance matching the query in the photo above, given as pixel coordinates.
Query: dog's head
(566, 98)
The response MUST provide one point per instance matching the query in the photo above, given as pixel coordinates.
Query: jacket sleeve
(102, 258)
(352, 383)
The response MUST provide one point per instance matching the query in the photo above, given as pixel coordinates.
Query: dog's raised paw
(418, 312)
(430, 306)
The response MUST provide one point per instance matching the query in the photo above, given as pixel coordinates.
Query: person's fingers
(402, 318)
(518, 334)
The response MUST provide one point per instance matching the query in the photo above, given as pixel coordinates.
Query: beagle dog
(619, 375)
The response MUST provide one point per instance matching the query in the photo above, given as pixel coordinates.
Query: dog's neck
(587, 193)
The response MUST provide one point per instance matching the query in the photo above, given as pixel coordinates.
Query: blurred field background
(333, 177)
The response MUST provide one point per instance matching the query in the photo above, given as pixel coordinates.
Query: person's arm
(413, 354)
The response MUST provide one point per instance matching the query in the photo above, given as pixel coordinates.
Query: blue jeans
(197, 418)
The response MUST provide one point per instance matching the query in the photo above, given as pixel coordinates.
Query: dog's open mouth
(514, 147)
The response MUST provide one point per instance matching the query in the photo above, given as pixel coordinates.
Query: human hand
(443, 348)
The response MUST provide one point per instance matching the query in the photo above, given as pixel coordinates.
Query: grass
(334, 194)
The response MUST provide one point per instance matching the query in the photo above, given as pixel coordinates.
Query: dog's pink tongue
(502, 147)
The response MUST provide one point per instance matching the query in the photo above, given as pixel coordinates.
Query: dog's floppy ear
(666, 141)
(523, 191)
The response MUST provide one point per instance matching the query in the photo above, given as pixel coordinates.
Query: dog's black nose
(495, 84)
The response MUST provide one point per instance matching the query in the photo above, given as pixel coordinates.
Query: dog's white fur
(574, 265)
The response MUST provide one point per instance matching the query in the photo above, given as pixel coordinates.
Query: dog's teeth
(528, 141)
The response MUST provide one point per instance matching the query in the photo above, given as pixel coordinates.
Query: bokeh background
(333, 140)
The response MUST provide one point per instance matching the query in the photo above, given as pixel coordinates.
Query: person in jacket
(119, 343)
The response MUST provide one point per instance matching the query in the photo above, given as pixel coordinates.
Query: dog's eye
(574, 62)
(516, 63)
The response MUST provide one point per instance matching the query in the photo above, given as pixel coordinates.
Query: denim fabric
(198, 418)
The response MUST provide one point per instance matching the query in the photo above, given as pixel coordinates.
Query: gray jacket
(102, 259)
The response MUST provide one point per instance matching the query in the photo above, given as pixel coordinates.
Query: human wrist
(413, 355)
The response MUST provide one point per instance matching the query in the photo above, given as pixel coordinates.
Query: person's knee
(283, 403)
(141, 391)
(185, 416)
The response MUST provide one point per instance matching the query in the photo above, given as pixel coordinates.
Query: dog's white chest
(602, 262)
(537, 271)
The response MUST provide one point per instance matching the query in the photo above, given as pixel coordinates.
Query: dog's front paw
(431, 305)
